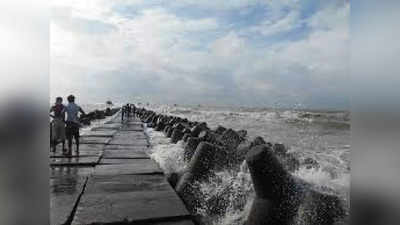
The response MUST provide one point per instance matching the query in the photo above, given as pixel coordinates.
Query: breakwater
(207, 151)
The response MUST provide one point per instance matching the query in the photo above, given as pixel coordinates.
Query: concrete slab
(124, 154)
(131, 134)
(122, 140)
(91, 147)
(64, 193)
(85, 150)
(127, 207)
(94, 140)
(126, 183)
(132, 127)
(67, 171)
(105, 161)
(104, 133)
(111, 126)
(126, 147)
(140, 166)
(81, 154)
(75, 161)
(97, 153)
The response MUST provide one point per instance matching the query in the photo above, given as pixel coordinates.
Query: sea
(322, 135)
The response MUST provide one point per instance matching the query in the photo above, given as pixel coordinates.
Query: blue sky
(286, 53)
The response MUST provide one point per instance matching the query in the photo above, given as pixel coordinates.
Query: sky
(276, 53)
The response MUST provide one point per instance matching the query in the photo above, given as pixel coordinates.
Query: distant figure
(58, 124)
(122, 113)
(72, 129)
(133, 110)
(128, 109)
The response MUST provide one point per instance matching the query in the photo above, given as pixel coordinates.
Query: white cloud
(158, 53)
(217, 4)
(285, 24)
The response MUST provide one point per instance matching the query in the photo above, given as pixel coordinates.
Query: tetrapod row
(281, 198)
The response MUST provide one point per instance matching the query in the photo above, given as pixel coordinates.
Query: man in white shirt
(72, 122)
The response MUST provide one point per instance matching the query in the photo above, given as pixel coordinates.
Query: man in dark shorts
(72, 122)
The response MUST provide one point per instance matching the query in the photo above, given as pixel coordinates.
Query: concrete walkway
(112, 181)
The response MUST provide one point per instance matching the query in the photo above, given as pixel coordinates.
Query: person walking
(58, 124)
(122, 113)
(72, 123)
(128, 109)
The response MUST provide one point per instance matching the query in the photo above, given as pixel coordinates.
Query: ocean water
(321, 135)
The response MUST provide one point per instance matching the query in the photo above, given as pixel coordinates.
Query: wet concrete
(66, 185)
(59, 154)
(91, 147)
(126, 183)
(107, 127)
(113, 181)
(129, 141)
(126, 147)
(107, 161)
(124, 154)
(127, 207)
(132, 127)
(94, 140)
(104, 133)
(75, 161)
(137, 166)
(131, 134)
(128, 198)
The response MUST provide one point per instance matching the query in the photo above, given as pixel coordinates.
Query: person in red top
(58, 124)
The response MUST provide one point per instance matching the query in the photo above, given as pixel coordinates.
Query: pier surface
(112, 181)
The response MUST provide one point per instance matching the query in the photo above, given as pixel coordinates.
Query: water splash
(169, 156)
(226, 197)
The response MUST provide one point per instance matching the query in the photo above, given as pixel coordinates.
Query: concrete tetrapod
(230, 138)
(198, 128)
(160, 126)
(199, 168)
(169, 132)
(190, 148)
(176, 136)
(277, 194)
(186, 137)
(166, 128)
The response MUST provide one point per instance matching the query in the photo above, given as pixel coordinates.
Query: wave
(226, 196)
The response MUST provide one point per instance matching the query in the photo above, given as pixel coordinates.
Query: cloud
(270, 27)
(153, 50)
